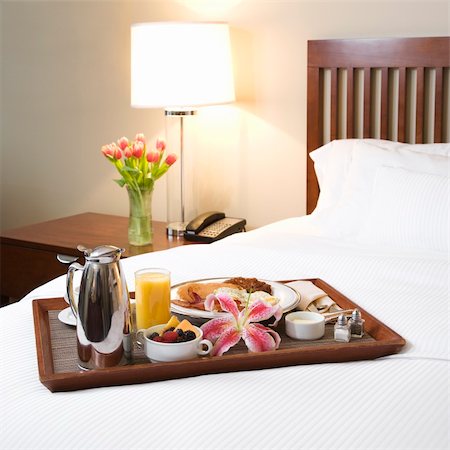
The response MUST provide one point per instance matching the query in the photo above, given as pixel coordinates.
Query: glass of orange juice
(152, 297)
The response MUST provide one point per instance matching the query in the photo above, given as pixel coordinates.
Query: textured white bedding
(397, 402)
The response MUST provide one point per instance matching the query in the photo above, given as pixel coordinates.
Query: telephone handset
(212, 226)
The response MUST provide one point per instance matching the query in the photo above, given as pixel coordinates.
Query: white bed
(400, 401)
(396, 402)
(384, 253)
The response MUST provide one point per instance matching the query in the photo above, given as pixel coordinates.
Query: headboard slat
(333, 104)
(439, 103)
(394, 110)
(420, 95)
(384, 119)
(402, 123)
(367, 104)
(350, 101)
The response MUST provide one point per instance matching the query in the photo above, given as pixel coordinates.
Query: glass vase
(140, 229)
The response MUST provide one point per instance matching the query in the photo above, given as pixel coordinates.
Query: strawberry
(170, 336)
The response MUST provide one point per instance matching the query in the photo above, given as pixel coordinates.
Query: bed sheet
(397, 402)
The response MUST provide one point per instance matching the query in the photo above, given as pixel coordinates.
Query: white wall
(66, 91)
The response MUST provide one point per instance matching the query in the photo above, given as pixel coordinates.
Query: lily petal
(271, 331)
(209, 302)
(228, 339)
(258, 338)
(216, 327)
(228, 304)
(261, 310)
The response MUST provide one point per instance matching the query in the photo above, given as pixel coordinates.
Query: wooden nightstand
(28, 255)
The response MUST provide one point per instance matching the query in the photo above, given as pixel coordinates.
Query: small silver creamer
(103, 309)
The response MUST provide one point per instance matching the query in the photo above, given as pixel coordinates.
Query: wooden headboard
(393, 88)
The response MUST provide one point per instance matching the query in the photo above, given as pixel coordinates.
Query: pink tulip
(153, 157)
(107, 151)
(127, 152)
(140, 137)
(112, 151)
(117, 154)
(160, 145)
(171, 158)
(123, 143)
(138, 149)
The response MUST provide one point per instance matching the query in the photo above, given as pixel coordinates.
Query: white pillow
(408, 210)
(346, 218)
(332, 163)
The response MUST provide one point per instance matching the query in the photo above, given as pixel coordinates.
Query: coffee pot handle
(69, 286)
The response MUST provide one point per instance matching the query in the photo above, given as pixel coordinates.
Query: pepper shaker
(356, 324)
(342, 329)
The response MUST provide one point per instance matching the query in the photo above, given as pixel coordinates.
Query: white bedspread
(397, 402)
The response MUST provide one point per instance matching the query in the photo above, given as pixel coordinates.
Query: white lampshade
(177, 65)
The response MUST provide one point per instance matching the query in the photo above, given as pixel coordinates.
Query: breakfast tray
(57, 351)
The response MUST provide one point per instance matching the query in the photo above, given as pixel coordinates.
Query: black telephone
(212, 226)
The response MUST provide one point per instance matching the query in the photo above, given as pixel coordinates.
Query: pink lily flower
(227, 331)
(138, 149)
(140, 137)
(160, 145)
(123, 143)
(171, 158)
(152, 156)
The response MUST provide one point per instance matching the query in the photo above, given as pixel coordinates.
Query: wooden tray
(57, 353)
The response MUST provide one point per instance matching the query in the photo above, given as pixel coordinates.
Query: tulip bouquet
(139, 168)
(227, 331)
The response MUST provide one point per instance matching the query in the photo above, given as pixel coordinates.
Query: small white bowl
(305, 325)
(174, 351)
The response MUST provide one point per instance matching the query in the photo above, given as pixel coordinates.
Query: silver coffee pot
(102, 310)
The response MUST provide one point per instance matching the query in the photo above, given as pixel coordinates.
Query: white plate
(66, 316)
(289, 298)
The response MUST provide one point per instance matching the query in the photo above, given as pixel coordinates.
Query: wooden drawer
(22, 269)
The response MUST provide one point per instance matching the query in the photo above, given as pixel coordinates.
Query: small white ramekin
(305, 325)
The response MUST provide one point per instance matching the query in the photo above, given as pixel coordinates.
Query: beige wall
(65, 92)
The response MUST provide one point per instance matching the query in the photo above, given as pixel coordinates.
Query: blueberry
(190, 335)
(153, 335)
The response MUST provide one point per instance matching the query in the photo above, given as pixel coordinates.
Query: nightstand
(28, 256)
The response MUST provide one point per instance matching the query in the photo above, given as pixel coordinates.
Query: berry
(190, 335)
(181, 338)
(180, 332)
(153, 335)
(170, 329)
(170, 336)
(158, 338)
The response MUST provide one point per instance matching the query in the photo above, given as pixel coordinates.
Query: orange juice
(152, 297)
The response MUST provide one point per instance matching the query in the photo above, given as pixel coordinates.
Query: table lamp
(180, 66)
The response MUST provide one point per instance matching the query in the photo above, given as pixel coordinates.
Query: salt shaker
(342, 329)
(356, 324)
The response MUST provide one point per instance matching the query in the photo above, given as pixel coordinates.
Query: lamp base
(176, 229)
